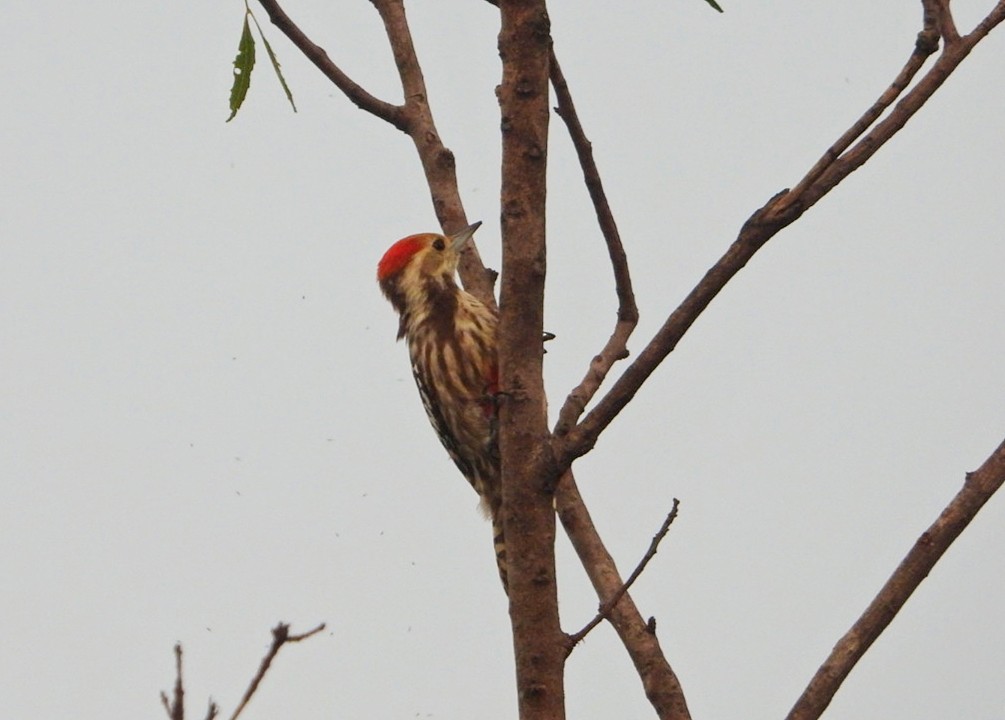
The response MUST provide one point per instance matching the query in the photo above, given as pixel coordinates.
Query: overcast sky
(208, 427)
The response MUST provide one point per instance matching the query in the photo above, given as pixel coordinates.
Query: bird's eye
(439, 244)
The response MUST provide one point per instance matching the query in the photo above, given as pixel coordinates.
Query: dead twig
(605, 609)
(661, 686)
(175, 706)
(280, 636)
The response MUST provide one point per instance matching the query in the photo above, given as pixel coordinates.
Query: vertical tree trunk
(529, 468)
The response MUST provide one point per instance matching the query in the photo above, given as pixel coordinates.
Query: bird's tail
(499, 540)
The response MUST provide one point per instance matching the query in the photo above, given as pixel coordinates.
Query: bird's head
(420, 264)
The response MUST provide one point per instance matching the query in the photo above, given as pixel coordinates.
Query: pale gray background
(207, 426)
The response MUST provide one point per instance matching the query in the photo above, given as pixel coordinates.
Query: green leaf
(275, 66)
(243, 64)
(714, 4)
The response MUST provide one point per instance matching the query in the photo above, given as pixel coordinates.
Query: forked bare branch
(661, 685)
(280, 636)
(175, 705)
(848, 152)
(837, 166)
(978, 488)
(780, 211)
(926, 43)
(605, 608)
(755, 232)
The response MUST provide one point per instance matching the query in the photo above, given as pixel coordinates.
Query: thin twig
(175, 706)
(316, 54)
(929, 548)
(213, 710)
(566, 109)
(616, 347)
(605, 609)
(765, 223)
(661, 686)
(280, 636)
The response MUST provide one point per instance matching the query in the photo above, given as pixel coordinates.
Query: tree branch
(926, 44)
(606, 607)
(779, 212)
(929, 548)
(616, 347)
(659, 682)
(361, 98)
(937, 13)
(438, 163)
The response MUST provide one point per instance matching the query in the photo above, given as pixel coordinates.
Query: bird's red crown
(399, 255)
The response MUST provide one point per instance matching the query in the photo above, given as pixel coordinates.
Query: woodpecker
(451, 337)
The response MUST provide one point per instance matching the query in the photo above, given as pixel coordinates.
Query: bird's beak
(457, 240)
